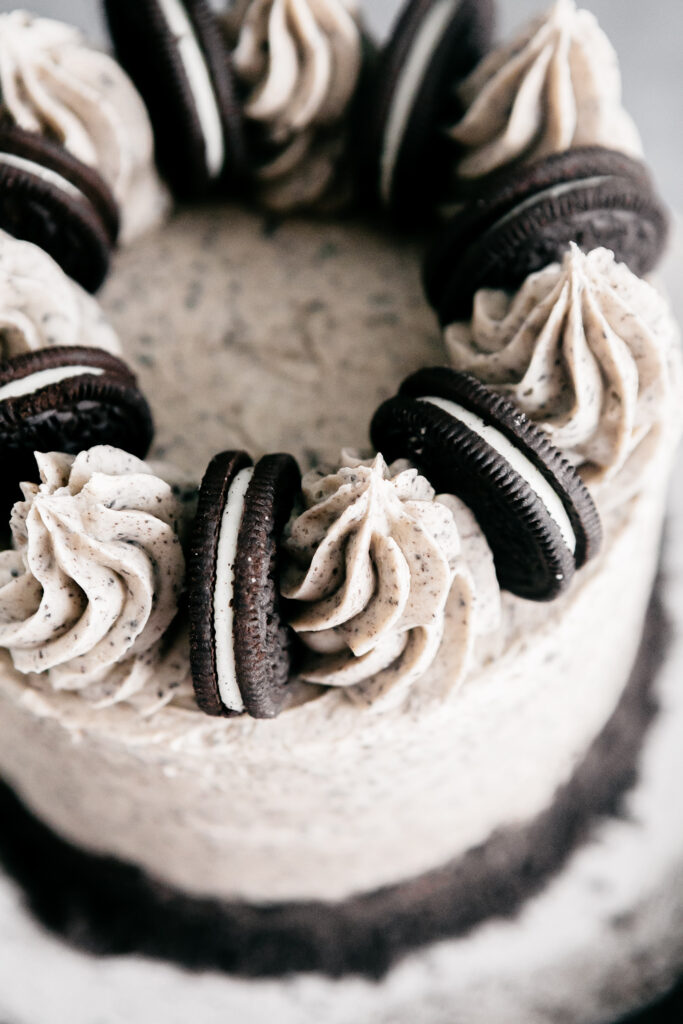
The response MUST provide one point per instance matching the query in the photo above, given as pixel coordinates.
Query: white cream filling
(411, 78)
(519, 462)
(223, 618)
(553, 193)
(38, 171)
(199, 79)
(43, 378)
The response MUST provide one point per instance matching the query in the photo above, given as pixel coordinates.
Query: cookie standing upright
(239, 641)
(175, 53)
(409, 97)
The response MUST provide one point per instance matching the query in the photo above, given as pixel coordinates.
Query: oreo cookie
(176, 55)
(519, 221)
(411, 99)
(536, 513)
(50, 198)
(67, 399)
(240, 645)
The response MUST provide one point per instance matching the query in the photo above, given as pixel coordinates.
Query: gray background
(647, 36)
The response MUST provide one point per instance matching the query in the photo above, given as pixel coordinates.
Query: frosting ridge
(41, 307)
(53, 83)
(588, 351)
(300, 61)
(92, 583)
(376, 567)
(557, 85)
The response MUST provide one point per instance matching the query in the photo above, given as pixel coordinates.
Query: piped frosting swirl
(92, 583)
(557, 85)
(53, 83)
(300, 61)
(588, 351)
(376, 565)
(40, 307)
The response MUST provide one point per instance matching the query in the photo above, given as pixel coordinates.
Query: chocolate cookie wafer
(67, 399)
(536, 513)
(239, 642)
(522, 220)
(50, 198)
(410, 97)
(176, 55)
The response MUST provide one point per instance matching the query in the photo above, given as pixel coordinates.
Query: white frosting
(51, 81)
(261, 371)
(410, 80)
(43, 378)
(96, 571)
(519, 462)
(555, 86)
(377, 567)
(41, 307)
(223, 618)
(301, 61)
(199, 79)
(588, 351)
(44, 173)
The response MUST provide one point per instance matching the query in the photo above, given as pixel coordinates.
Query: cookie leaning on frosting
(54, 84)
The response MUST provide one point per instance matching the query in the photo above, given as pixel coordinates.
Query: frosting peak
(300, 61)
(94, 578)
(556, 85)
(374, 561)
(40, 307)
(587, 350)
(52, 82)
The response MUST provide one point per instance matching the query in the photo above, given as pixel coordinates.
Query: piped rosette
(93, 581)
(299, 63)
(587, 350)
(380, 571)
(555, 86)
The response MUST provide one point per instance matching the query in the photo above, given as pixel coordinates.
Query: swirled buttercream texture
(554, 87)
(383, 574)
(588, 351)
(92, 583)
(53, 83)
(300, 62)
(40, 307)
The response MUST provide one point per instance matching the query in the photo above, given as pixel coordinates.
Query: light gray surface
(647, 37)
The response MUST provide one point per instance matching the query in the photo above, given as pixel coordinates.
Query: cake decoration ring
(367, 622)
(320, 721)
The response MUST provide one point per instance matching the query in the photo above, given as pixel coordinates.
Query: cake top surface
(256, 335)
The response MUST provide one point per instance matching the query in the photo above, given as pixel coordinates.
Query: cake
(373, 852)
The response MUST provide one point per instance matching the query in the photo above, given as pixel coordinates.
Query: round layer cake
(485, 816)
(300, 824)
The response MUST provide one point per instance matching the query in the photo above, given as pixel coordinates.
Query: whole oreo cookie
(50, 198)
(536, 513)
(520, 221)
(411, 97)
(239, 642)
(67, 400)
(176, 55)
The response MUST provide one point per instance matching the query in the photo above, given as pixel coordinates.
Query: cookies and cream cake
(460, 715)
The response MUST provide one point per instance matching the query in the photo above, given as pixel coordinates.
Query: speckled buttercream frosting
(303, 366)
(443, 745)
